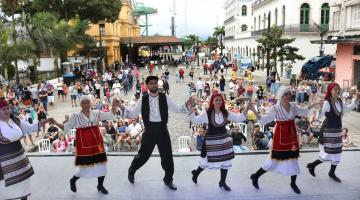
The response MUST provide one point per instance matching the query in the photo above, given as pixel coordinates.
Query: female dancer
(15, 168)
(284, 151)
(217, 151)
(330, 141)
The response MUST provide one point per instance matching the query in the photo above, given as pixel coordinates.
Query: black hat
(149, 78)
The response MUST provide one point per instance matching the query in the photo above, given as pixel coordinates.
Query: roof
(152, 40)
(339, 39)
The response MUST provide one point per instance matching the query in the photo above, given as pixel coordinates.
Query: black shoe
(223, 185)
(295, 188)
(195, 176)
(73, 185)
(311, 169)
(254, 181)
(131, 178)
(334, 177)
(102, 189)
(171, 185)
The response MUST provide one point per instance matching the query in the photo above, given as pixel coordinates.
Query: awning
(151, 41)
(328, 69)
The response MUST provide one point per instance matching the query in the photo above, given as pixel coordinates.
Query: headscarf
(281, 91)
(3, 103)
(84, 98)
(211, 106)
(329, 89)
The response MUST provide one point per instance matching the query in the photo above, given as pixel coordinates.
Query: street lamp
(101, 33)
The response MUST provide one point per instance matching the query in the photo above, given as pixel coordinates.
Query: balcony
(259, 3)
(229, 37)
(294, 28)
(228, 20)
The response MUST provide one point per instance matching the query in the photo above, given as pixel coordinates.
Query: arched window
(325, 13)
(243, 10)
(269, 18)
(283, 15)
(264, 21)
(276, 17)
(304, 17)
(254, 23)
(259, 22)
(244, 27)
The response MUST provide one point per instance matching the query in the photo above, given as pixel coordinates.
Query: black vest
(145, 109)
(333, 122)
(213, 128)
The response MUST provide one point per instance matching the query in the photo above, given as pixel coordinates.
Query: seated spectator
(52, 133)
(122, 132)
(200, 137)
(110, 130)
(303, 127)
(345, 138)
(134, 131)
(238, 138)
(259, 140)
(61, 144)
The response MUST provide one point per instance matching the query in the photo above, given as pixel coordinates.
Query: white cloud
(202, 16)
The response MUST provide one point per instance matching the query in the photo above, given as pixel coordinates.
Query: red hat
(3, 103)
(211, 106)
(329, 89)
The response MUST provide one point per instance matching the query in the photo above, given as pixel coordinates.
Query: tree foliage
(190, 41)
(212, 42)
(277, 48)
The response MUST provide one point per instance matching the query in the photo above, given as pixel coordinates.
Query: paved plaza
(52, 174)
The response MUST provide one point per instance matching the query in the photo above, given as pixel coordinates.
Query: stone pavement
(52, 174)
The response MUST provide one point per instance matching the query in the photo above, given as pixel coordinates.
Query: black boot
(332, 174)
(255, 177)
(100, 186)
(196, 173)
(24, 198)
(73, 183)
(222, 183)
(311, 166)
(293, 185)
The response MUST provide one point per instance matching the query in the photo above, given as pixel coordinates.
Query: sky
(202, 16)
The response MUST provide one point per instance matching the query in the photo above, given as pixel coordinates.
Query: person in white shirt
(59, 88)
(154, 111)
(200, 87)
(73, 93)
(134, 132)
(116, 88)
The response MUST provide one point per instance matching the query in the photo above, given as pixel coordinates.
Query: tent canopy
(312, 67)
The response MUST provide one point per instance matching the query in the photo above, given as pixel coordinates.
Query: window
(336, 22)
(269, 18)
(259, 22)
(254, 23)
(276, 17)
(243, 10)
(355, 16)
(304, 17)
(325, 14)
(264, 21)
(244, 27)
(357, 50)
(283, 15)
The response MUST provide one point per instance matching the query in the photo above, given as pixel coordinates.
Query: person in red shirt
(181, 74)
(151, 68)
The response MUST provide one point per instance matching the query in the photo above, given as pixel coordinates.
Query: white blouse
(11, 131)
(219, 119)
(79, 120)
(279, 113)
(346, 108)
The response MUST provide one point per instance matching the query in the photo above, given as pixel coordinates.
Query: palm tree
(211, 42)
(220, 32)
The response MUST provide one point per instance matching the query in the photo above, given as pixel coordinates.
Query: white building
(300, 19)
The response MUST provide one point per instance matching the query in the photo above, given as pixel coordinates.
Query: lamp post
(101, 33)
(197, 51)
(129, 46)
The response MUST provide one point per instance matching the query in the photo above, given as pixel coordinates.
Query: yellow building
(111, 33)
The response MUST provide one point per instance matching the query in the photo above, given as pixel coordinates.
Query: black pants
(155, 134)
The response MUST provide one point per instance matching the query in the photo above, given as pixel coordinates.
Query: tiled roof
(152, 40)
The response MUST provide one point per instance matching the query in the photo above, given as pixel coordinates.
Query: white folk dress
(79, 120)
(218, 119)
(277, 113)
(10, 133)
(341, 109)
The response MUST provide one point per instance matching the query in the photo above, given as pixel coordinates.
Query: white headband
(281, 91)
(84, 98)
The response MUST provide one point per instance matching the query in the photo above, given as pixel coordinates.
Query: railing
(230, 19)
(292, 28)
(229, 38)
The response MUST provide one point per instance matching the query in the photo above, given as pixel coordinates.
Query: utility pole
(268, 50)
(173, 31)
(185, 18)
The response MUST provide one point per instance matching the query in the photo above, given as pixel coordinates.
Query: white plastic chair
(72, 134)
(243, 129)
(44, 146)
(184, 144)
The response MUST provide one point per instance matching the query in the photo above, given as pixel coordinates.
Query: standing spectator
(200, 87)
(50, 93)
(59, 88)
(232, 87)
(301, 93)
(205, 67)
(314, 90)
(26, 96)
(73, 93)
(43, 96)
(116, 89)
(41, 116)
(97, 88)
(192, 88)
(260, 93)
(240, 90)
(181, 74)
(222, 83)
(249, 90)
(166, 87)
(65, 91)
(191, 74)
(34, 95)
(79, 90)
